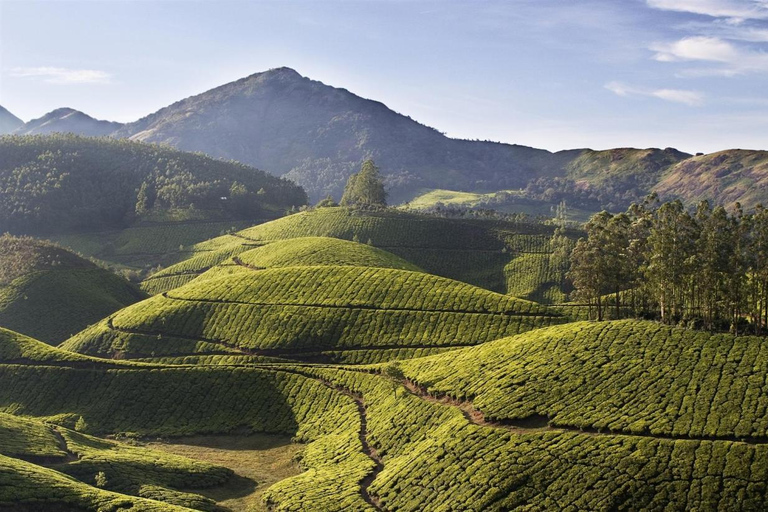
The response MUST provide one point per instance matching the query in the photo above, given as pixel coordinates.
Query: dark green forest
(66, 182)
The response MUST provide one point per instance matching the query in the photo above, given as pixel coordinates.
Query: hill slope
(476, 251)
(310, 312)
(378, 442)
(724, 177)
(67, 120)
(8, 121)
(49, 293)
(65, 182)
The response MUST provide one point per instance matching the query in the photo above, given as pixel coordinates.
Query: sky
(553, 74)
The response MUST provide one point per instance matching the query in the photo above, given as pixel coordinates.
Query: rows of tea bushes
(26, 487)
(26, 438)
(469, 250)
(311, 309)
(15, 347)
(620, 376)
(435, 459)
(533, 276)
(211, 400)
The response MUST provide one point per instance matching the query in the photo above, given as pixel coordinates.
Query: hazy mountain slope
(723, 177)
(8, 121)
(67, 120)
(318, 135)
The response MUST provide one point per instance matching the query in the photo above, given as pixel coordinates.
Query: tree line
(704, 268)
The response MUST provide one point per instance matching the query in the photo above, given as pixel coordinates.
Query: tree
(144, 199)
(328, 202)
(366, 188)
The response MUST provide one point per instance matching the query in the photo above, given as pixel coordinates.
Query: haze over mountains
(317, 135)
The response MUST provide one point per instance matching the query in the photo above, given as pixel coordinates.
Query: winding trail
(71, 456)
(368, 450)
(538, 423)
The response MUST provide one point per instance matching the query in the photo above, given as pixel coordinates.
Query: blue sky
(556, 74)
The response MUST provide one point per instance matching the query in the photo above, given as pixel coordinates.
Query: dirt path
(538, 423)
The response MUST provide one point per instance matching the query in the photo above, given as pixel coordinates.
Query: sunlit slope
(622, 376)
(49, 293)
(301, 311)
(474, 251)
(306, 251)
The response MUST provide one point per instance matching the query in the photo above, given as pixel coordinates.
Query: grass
(258, 460)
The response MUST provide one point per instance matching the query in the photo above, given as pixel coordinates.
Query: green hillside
(49, 293)
(475, 251)
(311, 312)
(376, 442)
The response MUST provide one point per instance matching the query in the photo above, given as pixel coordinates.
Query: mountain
(67, 120)
(318, 135)
(727, 176)
(8, 121)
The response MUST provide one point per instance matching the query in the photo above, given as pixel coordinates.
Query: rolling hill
(478, 251)
(50, 293)
(485, 428)
(727, 176)
(67, 120)
(327, 313)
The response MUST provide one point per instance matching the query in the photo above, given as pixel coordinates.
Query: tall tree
(366, 188)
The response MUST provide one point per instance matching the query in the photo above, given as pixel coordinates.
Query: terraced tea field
(324, 374)
(474, 251)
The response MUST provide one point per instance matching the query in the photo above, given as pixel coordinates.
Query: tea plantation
(401, 389)
(474, 251)
(296, 312)
(50, 293)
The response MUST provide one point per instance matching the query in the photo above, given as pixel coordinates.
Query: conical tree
(366, 188)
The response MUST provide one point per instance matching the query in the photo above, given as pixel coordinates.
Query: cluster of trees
(365, 188)
(705, 268)
(613, 193)
(65, 182)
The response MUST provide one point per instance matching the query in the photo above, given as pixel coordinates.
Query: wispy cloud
(736, 10)
(690, 98)
(56, 75)
(732, 59)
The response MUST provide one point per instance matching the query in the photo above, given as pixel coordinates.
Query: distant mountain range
(317, 135)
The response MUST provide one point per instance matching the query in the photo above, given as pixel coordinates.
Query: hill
(67, 120)
(327, 312)
(64, 182)
(634, 377)
(375, 441)
(482, 252)
(50, 293)
(8, 121)
(724, 177)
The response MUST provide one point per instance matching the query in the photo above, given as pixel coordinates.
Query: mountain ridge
(317, 135)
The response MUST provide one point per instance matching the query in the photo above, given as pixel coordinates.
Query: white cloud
(55, 75)
(690, 98)
(734, 60)
(735, 10)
